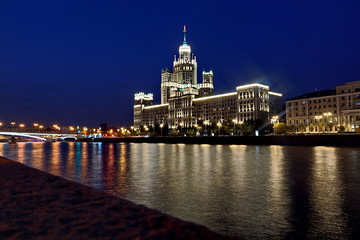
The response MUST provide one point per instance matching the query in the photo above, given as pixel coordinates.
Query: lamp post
(219, 126)
(196, 129)
(161, 127)
(146, 129)
(181, 126)
(235, 122)
(327, 115)
(318, 118)
(274, 120)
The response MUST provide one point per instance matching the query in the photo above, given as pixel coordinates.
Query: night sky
(80, 62)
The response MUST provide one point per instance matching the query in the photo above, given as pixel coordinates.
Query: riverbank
(303, 140)
(38, 205)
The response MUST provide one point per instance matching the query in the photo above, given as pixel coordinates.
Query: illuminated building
(327, 110)
(185, 102)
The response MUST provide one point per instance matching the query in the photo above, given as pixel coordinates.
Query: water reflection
(255, 192)
(327, 196)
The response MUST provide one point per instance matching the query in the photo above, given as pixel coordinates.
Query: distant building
(185, 102)
(327, 110)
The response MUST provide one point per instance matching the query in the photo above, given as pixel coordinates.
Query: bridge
(38, 136)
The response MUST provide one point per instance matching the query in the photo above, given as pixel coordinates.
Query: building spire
(184, 31)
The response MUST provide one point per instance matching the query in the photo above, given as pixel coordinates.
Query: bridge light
(22, 125)
(36, 124)
(13, 123)
(1, 124)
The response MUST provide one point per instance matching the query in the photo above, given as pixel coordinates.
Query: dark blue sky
(80, 62)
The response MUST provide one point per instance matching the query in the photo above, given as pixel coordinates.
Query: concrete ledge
(308, 140)
(38, 205)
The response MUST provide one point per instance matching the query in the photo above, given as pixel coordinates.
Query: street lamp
(161, 127)
(318, 118)
(327, 115)
(235, 122)
(181, 125)
(219, 126)
(196, 129)
(146, 129)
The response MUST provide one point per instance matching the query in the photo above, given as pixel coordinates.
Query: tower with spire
(183, 76)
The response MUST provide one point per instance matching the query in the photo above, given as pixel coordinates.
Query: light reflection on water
(255, 192)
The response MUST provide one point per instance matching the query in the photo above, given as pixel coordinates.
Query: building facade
(185, 102)
(326, 111)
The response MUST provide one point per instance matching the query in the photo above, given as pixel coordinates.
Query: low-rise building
(327, 110)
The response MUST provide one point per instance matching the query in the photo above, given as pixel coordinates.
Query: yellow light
(36, 124)
(216, 96)
(157, 106)
(22, 125)
(1, 123)
(275, 94)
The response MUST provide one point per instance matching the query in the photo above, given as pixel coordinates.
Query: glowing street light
(219, 126)
(318, 118)
(327, 115)
(22, 125)
(181, 126)
(275, 119)
(161, 127)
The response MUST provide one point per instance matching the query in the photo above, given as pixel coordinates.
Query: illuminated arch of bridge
(37, 136)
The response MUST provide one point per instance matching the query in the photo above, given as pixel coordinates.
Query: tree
(341, 129)
(311, 127)
(302, 128)
(280, 128)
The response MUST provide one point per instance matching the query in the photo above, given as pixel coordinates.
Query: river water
(254, 192)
